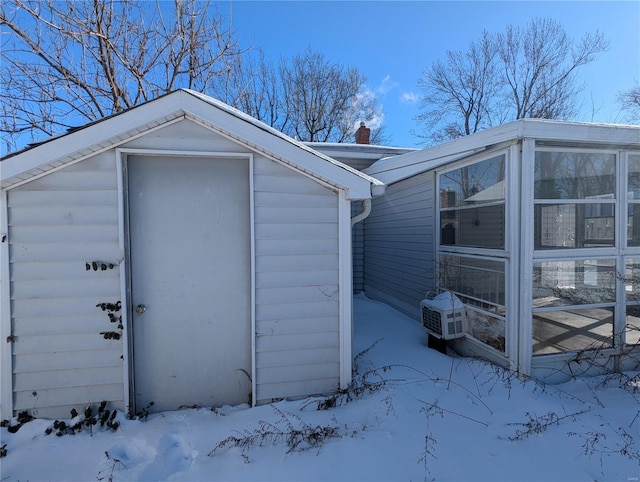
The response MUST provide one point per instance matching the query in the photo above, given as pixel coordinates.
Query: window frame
(579, 252)
(474, 250)
(620, 252)
(511, 155)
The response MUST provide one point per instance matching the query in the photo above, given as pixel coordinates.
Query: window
(574, 175)
(572, 285)
(574, 225)
(632, 265)
(478, 281)
(558, 331)
(574, 282)
(574, 199)
(633, 198)
(480, 284)
(472, 205)
(472, 210)
(574, 298)
(632, 298)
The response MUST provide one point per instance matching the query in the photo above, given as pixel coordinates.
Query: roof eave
(400, 167)
(117, 130)
(276, 145)
(90, 140)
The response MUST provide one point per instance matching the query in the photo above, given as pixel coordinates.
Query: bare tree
(325, 102)
(523, 72)
(253, 86)
(629, 101)
(459, 93)
(540, 64)
(305, 96)
(66, 63)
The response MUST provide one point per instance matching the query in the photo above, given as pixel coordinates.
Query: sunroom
(535, 227)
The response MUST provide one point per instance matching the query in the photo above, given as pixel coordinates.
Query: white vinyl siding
(297, 283)
(186, 135)
(57, 224)
(66, 218)
(399, 249)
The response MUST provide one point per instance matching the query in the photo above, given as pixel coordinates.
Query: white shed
(535, 226)
(180, 253)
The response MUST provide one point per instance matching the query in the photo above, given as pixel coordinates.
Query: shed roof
(400, 167)
(113, 131)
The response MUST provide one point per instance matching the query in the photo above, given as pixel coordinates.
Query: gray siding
(357, 255)
(297, 284)
(56, 225)
(398, 246)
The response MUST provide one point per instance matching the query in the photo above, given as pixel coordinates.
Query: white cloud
(409, 98)
(373, 122)
(363, 112)
(386, 85)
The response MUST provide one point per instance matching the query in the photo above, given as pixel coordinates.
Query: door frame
(125, 265)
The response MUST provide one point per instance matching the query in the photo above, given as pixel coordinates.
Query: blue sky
(392, 42)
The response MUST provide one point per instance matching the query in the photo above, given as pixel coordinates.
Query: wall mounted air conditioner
(444, 316)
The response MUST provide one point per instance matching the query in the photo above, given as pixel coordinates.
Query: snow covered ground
(420, 415)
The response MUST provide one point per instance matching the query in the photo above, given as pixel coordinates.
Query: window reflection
(632, 327)
(633, 184)
(481, 182)
(574, 225)
(572, 330)
(472, 205)
(574, 282)
(477, 281)
(486, 328)
(574, 175)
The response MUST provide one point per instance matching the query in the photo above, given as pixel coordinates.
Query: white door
(190, 250)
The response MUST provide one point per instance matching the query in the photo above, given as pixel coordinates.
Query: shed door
(189, 231)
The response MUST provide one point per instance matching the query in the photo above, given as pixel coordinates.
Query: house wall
(66, 219)
(357, 256)
(360, 157)
(58, 224)
(398, 244)
(297, 284)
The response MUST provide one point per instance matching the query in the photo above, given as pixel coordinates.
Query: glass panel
(632, 331)
(476, 280)
(632, 279)
(486, 328)
(566, 283)
(481, 227)
(633, 188)
(478, 183)
(574, 225)
(633, 224)
(572, 330)
(574, 175)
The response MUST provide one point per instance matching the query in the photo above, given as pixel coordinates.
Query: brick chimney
(362, 134)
